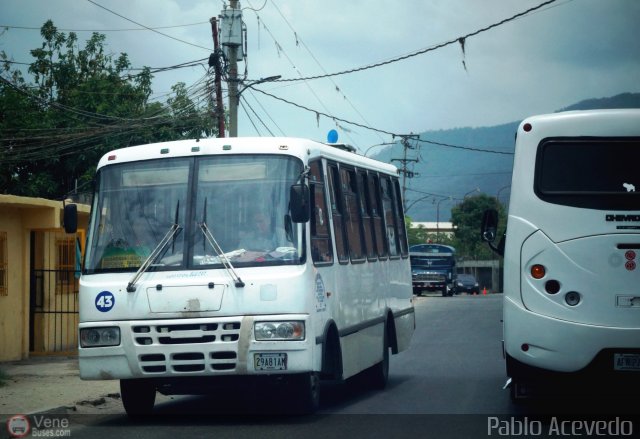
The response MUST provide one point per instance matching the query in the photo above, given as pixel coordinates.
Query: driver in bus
(261, 237)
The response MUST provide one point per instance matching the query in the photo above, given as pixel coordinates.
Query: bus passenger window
(389, 216)
(367, 217)
(352, 214)
(337, 212)
(376, 216)
(321, 249)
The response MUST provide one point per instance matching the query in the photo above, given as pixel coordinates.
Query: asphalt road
(448, 384)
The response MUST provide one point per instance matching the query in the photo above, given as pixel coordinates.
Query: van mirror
(70, 218)
(489, 229)
(299, 203)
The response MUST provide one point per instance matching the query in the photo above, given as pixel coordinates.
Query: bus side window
(376, 215)
(353, 218)
(367, 217)
(389, 216)
(399, 211)
(321, 248)
(337, 214)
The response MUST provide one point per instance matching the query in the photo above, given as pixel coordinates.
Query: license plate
(626, 362)
(276, 361)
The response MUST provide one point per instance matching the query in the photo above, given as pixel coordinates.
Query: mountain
(447, 169)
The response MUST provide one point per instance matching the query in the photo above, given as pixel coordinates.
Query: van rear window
(593, 173)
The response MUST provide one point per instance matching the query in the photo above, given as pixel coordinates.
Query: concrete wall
(18, 217)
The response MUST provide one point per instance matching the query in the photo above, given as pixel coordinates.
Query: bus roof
(302, 148)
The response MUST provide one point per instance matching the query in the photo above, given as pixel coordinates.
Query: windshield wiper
(216, 248)
(162, 245)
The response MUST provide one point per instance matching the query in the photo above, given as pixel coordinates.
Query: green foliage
(467, 219)
(83, 102)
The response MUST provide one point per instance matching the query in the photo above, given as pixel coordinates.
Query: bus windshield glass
(241, 199)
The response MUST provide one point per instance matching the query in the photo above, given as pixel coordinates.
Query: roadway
(448, 384)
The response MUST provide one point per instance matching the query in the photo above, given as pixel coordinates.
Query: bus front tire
(307, 388)
(138, 396)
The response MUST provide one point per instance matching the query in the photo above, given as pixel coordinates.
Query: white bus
(180, 294)
(572, 250)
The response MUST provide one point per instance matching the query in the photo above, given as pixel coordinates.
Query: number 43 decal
(105, 301)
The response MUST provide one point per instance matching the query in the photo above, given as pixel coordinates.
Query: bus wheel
(379, 373)
(138, 396)
(307, 390)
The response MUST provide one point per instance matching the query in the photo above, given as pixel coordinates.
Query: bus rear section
(572, 251)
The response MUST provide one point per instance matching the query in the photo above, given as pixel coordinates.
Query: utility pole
(233, 82)
(215, 60)
(406, 173)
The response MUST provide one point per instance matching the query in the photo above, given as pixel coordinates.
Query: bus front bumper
(195, 348)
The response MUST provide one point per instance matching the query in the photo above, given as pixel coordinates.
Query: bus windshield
(242, 199)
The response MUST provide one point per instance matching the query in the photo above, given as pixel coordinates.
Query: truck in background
(433, 268)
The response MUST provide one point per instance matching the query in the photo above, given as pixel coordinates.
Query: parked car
(466, 283)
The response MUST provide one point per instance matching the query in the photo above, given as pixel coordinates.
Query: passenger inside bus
(260, 235)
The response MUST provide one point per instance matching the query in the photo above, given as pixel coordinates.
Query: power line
(106, 30)
(394, 135)
(267, 113)
(149, 28)
(244, 102)
(280, 49)
(301, 41)
(460, 40)
(448, 145)
(319, 113)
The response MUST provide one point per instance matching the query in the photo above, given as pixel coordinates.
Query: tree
(83, 103)
(467, 219)
(420, 235)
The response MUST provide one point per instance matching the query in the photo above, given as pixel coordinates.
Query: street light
(438, 217)
(415, 201)
(379, 144)
(500, 190)
(256, 82)
(470, 192)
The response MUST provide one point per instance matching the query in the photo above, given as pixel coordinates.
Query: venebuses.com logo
(19, 426)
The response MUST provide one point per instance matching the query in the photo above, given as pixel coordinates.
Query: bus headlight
(94, 337)
(279, 330)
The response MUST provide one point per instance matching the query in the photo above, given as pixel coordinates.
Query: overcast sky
(560, 54)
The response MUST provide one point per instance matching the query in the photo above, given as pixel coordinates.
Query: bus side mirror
(489, 228)
(70, 218)
(299, 203)
(489, 231)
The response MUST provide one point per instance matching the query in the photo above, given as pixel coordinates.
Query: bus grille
(429, 277)
(208, 347)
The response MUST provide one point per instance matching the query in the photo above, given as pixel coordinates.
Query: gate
(53, 306)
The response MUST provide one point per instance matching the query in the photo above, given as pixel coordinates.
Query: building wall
(13, 307)
(18, 217)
